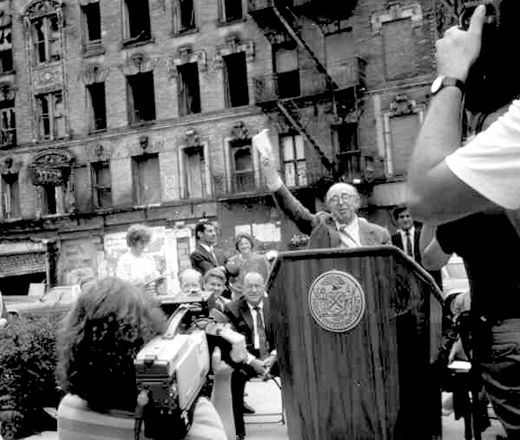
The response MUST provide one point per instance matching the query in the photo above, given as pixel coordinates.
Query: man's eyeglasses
(344, 198)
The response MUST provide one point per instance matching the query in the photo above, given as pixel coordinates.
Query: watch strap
(449, 81)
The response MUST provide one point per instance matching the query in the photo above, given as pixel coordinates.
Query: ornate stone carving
(186, 55)
(144, 142)
(234, 45)
(51, 167)
(138, 63)
(239, 131)
(192, 138)
(401, 105)
(5, 14)
(7, 92)
(40, 8)
(93, 73)
(395, 11)
(48, 78)
(9, 166)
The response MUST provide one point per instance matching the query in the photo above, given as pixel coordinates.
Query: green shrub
(27, 375)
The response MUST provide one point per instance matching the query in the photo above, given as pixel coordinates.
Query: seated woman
(99, 339)
(136, 266)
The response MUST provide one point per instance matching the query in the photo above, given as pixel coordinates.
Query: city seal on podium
(336, 301)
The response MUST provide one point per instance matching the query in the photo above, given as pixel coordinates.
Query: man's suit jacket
(202, 260)
(321, 226)
(398, 242)
(240, 317)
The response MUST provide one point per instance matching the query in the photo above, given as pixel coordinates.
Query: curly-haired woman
(99, 339)
(135, 266)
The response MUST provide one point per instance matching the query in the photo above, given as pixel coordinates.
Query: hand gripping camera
(172, 369)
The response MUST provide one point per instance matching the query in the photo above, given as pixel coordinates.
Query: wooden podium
(357, 331)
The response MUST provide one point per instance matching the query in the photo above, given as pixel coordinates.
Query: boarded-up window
(340, 51)
(399, 49)
(101, 184)
(147, 179)
(7, 124)
(287, 73)
(183, 16)
(194, 173)
(141, 97)
(347, 150)
(403, 132)
(293, 157)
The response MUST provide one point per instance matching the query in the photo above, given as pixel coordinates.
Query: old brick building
(124, 111)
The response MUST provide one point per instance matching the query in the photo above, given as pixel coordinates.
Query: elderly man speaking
(339, 227)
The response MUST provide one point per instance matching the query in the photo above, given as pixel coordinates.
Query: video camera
(172, 369)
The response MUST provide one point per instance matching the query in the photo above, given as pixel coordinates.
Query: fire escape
(280, 20)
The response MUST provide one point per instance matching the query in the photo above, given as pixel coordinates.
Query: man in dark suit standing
(407, 236)
(249, 316)
(206, 256)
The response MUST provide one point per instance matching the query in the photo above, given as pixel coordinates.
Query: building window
(10, 195)
(231, 10)
(243, 174)
(147, 179)
(91, 23)
(141, 100)
(6, 49)
(403, 131)
(7, 124)
(188, 89)
(46, 39)
(51, 116)
(183, 16)
(347, 150)
(137, 21)
(53, 199)
(287, 72)
(235, 79)
(101, 185)
(340, 51)
(195, 184)
(293, 160)
(399, 49)
(98, 113)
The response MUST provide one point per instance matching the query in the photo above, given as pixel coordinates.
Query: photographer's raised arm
(436, 194)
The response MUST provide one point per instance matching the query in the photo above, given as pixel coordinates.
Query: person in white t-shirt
(136, 266)
(445, 181)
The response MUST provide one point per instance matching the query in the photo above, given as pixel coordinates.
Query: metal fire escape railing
(289, 107)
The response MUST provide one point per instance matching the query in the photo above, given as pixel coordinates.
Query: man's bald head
(343, 202)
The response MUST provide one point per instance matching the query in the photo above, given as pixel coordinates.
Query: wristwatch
(446, 81)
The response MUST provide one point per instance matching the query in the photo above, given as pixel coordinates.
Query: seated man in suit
(250, 317)
(340, 226)
(206, 256)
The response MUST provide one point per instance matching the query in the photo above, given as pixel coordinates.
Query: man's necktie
(409, 248)
(260, 329)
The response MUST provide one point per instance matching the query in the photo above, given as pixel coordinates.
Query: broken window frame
(294, 166)
(184, 21)
(136, 84)
(224, 16)
(51, 116)
(188, 192)
(91, 24)
(137, 23)
(97, 107)
(6, 50)
(243, 180)
(101, 188)
(46, 38)
(188, 89)
(7, 124)
(236, 88)
(10, 196)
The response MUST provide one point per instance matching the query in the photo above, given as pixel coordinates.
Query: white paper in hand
(262, 143)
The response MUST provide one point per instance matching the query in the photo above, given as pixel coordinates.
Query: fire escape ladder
(285, 108)
(295, 34)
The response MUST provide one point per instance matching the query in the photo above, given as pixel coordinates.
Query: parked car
(454, 277)
(57, 299)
